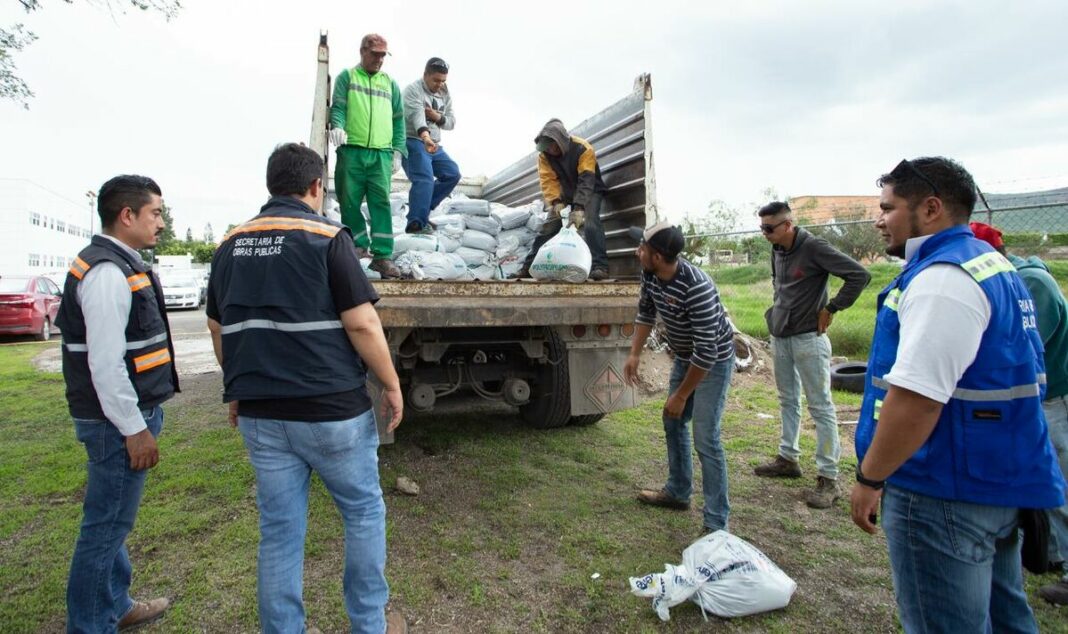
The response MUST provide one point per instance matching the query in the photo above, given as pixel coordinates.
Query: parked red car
(28, 306)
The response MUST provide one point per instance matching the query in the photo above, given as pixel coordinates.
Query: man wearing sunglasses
(367, 126)
(951, 441)
(428, 111)
(797, 321)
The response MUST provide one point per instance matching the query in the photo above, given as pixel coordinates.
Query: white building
(40, 230)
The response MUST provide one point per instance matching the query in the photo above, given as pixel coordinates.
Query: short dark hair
(936, 176)
(436, 65)
(125, 190)
(292, 169)
(774, 209)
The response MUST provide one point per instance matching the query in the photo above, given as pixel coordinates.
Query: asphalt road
(188, 322)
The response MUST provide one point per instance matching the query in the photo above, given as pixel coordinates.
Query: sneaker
(825, 493)
(599, 274)
(385, 267)
(421, 229)
(144, 612)
(396, 623)
(779, 468)
(661, 498)
(1055, 593)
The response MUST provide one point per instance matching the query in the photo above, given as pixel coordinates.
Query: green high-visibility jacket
(370, 110)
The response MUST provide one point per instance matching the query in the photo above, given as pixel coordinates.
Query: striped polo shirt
(697, 325)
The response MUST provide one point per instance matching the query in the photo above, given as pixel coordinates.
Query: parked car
(182, 289)
(28, 306)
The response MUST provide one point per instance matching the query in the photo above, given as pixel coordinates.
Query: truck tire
(550, 392)
(849, 376)
(585, 420)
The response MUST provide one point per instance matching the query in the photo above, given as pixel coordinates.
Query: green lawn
(510, 527)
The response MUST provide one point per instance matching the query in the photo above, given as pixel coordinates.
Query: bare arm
(364, 330)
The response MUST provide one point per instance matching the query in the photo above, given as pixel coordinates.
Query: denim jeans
(98, 589)
(592, 233)
(433, 177)
(804, 361)
(345, 455)
(705, 408)
(956, 566)
(1056, 410)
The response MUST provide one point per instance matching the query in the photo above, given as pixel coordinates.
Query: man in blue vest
(367, 126)
(951, 437)
(293, 323)
(118, 364)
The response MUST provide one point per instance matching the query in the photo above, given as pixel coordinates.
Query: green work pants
(362, 171)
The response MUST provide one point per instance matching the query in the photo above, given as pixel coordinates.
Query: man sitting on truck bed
(428, 111)
(570, 175)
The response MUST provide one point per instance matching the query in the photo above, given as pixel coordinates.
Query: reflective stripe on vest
(79, 268)
(988, 265)
(369, 113)
(275, 223)
(893, 298)
(139, 281)
(151, 360)
(130, 345)
(1029, 390)
(268, 324)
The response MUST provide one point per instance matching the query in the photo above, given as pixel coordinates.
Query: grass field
(505, 537)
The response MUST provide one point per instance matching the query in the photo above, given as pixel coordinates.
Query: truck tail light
(578, 331)
(604, 330)
(627, 330)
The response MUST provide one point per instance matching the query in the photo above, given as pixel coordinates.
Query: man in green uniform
(367, 126)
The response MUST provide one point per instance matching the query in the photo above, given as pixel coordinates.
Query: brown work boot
(396, 623)
(1055, 593)
(385, 267)
(824, 495)
(144, 612)
(599, 274)
(661, 498)
(779, 468)
(522, 273)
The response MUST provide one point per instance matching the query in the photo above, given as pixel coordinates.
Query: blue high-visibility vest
(991, 443)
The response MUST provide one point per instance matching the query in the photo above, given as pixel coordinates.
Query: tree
(16, 38)
(188, 234)
(209, 234)
(854, 234)
(167, 236)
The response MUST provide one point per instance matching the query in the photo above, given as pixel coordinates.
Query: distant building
(40, 231)
(821, 210)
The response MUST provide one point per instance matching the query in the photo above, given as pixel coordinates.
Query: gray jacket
(416, 99)
(799, 278)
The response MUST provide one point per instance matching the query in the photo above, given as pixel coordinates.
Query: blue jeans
(345, 455)
(1056, 410)
(804, 361)
(705, 408)
(956, 565)
(98, 589)
(433, 177)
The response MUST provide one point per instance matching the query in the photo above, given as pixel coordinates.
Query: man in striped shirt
(702, 339)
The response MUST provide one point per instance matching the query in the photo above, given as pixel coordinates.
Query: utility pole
(91, 195)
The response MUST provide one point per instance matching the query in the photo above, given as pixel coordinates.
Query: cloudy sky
(802, 97)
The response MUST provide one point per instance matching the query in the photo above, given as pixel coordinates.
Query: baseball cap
(665, 237)
(987, 234)
(374, 43)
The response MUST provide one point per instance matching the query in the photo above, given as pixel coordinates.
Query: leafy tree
(853, 234)
(16, 37)
(167, 236)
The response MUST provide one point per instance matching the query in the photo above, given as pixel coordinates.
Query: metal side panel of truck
(553, 350)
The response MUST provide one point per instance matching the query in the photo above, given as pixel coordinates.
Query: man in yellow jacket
(367, 126)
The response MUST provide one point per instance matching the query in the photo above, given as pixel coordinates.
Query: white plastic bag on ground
(565, 257)
(511, 218)
(721, 573)
(485, 224)
(473, 257)
(415, 242)
(478, 240)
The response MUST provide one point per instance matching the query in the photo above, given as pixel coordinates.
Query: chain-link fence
(1034, 224)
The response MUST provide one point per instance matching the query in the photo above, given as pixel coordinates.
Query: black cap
(436, 65)
(664, 237)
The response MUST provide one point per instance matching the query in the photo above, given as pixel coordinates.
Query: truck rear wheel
(585, 420)
(550, 392)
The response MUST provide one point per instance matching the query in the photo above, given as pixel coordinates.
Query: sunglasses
(906, 167)
(439, 68)
(770, 228)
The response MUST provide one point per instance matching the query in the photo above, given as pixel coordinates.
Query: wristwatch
(872, 484)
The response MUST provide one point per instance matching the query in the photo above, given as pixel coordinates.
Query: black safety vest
(281, 334)
(149, 351)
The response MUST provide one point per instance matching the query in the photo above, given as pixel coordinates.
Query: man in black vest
(293, 323)
(118, 364)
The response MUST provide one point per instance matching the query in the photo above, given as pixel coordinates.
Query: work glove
(577, 218)
(396, 161)
(338, 137)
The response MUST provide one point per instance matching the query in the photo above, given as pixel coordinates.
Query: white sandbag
(400, 223)
(421, 265)
(478, 240)
(485, 272)
(565, 257)
(473, 257)
(536, 220)
(415, 242)
(721, 573)
(448, 243)
(507, 246)
(371, 275)
(510, 264)
(485, 224)
(470, 207)
(511, 218)
(451, 225)
(522, 235)
(398, 207)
